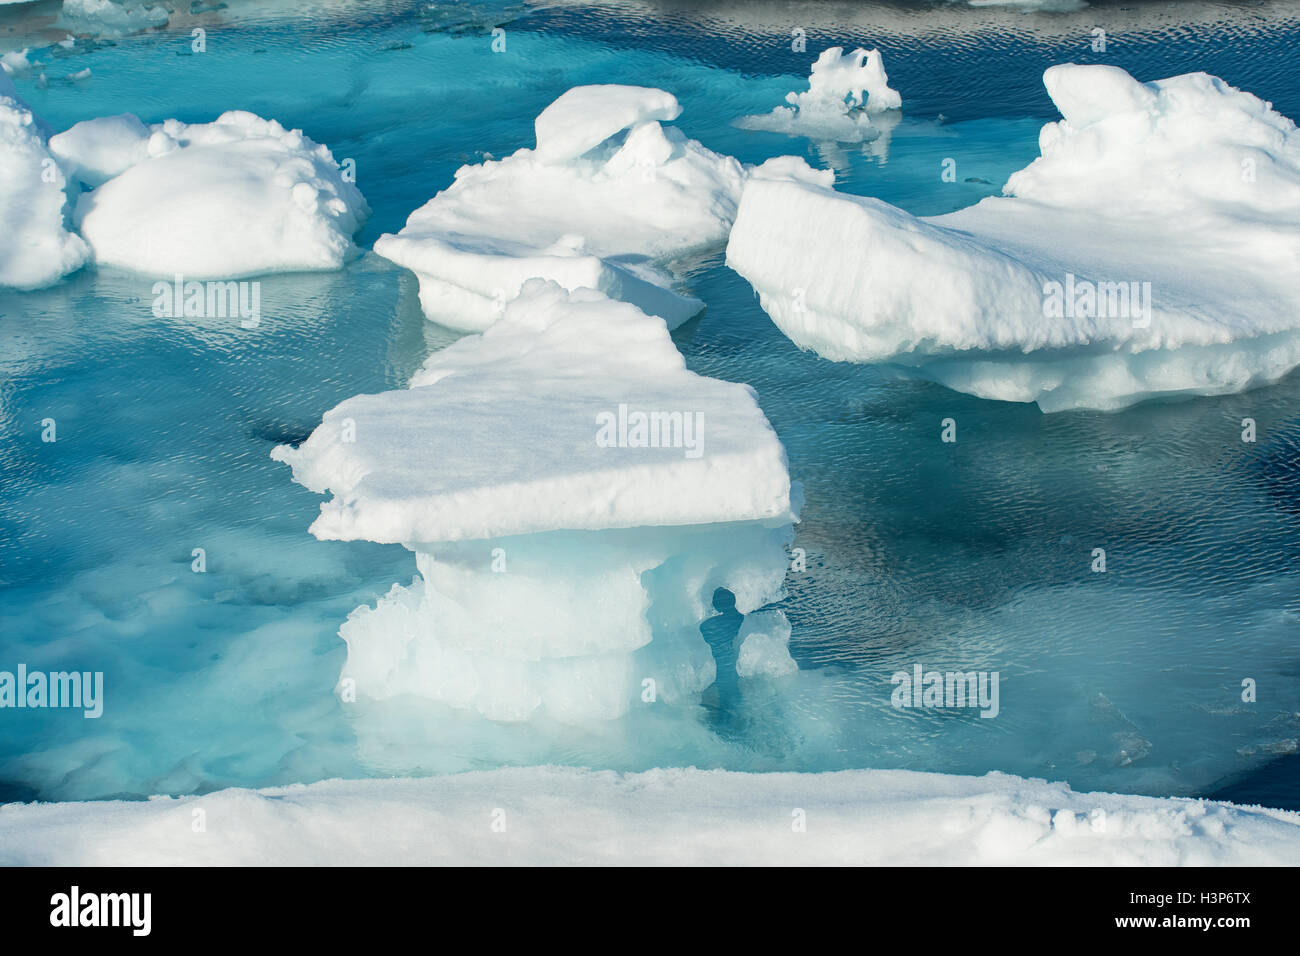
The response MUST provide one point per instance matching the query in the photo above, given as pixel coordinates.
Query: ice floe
(844, 89)
(36, 249)
(236, 197)
(557, 816)
(574, 496)
(606, 200)
(1152, 249)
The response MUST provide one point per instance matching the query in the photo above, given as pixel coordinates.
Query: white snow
(606, 200)
(498, 435)
(35, 248)
(843, 90)
(565, 561)
(561, 816)
(236, 197)
(96, 150)
(1182, 195)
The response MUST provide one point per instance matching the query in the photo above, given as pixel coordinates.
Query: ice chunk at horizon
(607, 200)
(1153, 248)
(106, 18)
(237, 197)
(844, 89)
(567, 547)
(35, 250)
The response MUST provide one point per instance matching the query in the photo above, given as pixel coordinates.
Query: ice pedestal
(565, 559)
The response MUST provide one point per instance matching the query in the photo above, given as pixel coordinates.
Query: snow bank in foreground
(1154, 248)
(574, 496)
(239, 196)
(35, 248)
(555, 816)
(606, 197)
(833, 106)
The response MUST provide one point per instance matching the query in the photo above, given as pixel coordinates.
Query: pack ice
(35, 248)
(574, 497)
(1152, 249)
(607, 198)
(235, 197)
(844, 89)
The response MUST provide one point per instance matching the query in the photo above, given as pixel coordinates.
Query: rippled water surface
(975, 555)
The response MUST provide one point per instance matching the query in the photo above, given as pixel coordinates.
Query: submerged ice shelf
(1153, 249)
(574, 496)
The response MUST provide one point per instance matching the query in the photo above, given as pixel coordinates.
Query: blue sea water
(973, 556)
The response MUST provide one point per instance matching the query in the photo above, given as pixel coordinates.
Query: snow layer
(559, 816)
(604, 200)
(843, 90)
(35, 249)
(500, 435)
(566, 555)
(236, 197)
(1167, 213)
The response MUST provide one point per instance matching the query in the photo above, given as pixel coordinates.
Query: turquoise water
(973, 556)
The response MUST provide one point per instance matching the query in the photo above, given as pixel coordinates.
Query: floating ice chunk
(106, 18)
(15, 62)
(1153, 248)
(843, 89)
(574, 496)
(606, 199)
(763, 646)
(663, 816)
(236, 197)
(35, 248)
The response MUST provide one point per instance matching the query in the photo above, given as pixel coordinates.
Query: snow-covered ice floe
(35, 247)
(844, 89)
(559, 816)
(236, 197)
(607, 198)
(574, 496)
(1152, 249)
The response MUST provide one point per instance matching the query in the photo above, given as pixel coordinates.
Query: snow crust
(607, 200)
(1185, 191)
(560, 816)
(844, 89)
